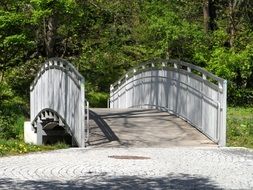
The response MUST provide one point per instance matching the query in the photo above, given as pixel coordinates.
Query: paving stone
(93, 168)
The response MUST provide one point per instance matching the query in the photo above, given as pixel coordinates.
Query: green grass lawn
(240, 127)
(15, 147)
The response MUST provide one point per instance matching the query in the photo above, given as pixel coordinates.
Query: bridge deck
(142, 128)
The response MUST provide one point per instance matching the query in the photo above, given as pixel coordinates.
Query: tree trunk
(50, 34)
(206, 15)
(232, 29)
(209, 13)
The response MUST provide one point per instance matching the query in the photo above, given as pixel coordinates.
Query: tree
(209, 14)
(16, 42)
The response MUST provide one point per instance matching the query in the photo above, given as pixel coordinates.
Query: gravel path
(163, 168)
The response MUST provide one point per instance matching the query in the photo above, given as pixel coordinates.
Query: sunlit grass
(15, 147)
(240, 127)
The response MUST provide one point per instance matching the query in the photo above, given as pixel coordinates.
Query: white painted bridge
(185, 92)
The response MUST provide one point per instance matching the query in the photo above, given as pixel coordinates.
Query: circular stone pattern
(130, 168)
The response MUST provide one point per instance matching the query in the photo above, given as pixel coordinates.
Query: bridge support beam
(31, 136)
(29, 133)
(40, 134)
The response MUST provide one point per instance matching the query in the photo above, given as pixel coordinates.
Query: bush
(240, 97)
(11, 114)
(98, 99)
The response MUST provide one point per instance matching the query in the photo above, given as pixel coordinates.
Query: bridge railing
(59, 87)
(186, 90)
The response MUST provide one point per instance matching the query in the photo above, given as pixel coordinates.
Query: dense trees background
(105, 38)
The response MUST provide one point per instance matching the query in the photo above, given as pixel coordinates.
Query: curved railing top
(172, 64)
(61, 64)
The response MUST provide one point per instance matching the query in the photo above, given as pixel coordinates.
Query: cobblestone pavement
(163, 168)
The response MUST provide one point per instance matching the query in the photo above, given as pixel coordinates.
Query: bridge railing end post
(223, 122)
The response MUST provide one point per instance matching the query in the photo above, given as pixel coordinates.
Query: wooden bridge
(158, 103)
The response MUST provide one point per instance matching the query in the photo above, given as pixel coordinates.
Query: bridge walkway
(142, 128)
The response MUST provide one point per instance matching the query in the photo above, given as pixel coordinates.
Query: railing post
(87, 129)
(187, 93)
(118, 95)
(202, 101)
(223, 111)
(111, 99)
(82, 118)
(108, 103)
(126, 95)
(133, 97)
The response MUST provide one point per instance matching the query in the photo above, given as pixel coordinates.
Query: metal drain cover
(127, 157)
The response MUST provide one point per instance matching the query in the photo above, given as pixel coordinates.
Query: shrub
(98, 99)
(11, 114)
(240, 97)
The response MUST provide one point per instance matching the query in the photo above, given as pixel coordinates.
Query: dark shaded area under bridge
(142, 128)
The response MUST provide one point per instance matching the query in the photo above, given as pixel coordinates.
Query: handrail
(203, 95)
(61, 64)
(170, 64)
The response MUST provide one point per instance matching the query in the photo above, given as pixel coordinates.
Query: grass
(15, 147)
(12, 138)
(240, 127)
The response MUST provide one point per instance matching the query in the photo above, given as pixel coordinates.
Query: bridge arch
(183, 89)
(57, 98)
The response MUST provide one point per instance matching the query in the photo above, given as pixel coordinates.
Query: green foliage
(240, 127)
(11, 114)
(98, 99)
(240, 96)
(11, 128)
(105, 38)
(20, 78)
